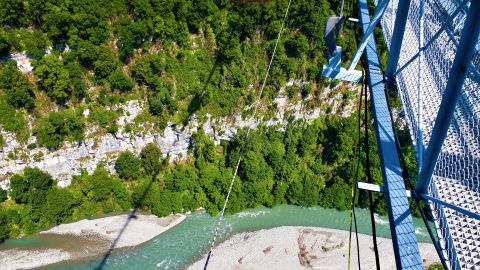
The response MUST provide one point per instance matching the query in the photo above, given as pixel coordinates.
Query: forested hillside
(183, 58)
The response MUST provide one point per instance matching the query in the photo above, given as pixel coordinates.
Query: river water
(189, 240)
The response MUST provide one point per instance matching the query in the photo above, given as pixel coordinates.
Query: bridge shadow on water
(132, 215)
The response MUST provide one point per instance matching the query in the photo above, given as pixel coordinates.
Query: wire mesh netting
(456, 178)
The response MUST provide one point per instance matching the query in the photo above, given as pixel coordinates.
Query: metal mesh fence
(456, 178)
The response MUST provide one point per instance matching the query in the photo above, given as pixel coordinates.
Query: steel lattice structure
(456, 174)
(434, 60)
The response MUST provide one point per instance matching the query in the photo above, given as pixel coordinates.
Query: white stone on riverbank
(94, 237)
(27, 259)
(123, 230)
(303, 248)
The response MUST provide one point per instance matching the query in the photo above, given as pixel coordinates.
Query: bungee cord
(353, 217)
(255, 108)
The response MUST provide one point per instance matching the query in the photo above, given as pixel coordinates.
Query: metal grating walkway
(456, 177)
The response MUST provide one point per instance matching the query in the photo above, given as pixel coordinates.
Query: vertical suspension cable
(255, 108)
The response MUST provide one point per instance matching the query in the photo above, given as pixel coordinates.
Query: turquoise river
(189, 240)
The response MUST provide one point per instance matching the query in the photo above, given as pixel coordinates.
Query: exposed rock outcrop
(174, 141)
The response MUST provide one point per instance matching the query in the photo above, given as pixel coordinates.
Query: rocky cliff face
(174, 141)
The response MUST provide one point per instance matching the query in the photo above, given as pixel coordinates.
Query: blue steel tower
(434, 61)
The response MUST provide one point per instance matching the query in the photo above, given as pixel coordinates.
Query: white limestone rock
(23, 61)
(174, 141)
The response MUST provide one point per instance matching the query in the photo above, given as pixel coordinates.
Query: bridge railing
(456, 174)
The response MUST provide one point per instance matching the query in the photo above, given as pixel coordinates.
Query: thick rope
(357, 169)
(353, 217)
(255, 105)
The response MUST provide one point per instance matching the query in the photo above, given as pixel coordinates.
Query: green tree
(169, 202)
(122, 197)
(4, 45)
(31, 187)
(151, 157)
(57, 23)
(146, 193)
(19, 91)
(57, 127)
(228, 46)
(98, 186)
(204, 148)
(118, 80)
(87, 53)
(156, 105)
(12, 13)
(132, 34)
(59, 205)
(336, 196)
(77, 84)
(4, 227)
(53, 78)
(435, 266)
(258, 179)
(147, 69)
(275, 152)
(21, 96)
(13, 120)
(181, 178)
(297, 45)
(106, 62)
(3, 195)
(128, 166)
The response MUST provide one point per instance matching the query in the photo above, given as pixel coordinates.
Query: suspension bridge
(434, 64)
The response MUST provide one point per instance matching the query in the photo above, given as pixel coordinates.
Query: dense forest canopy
(181, 57)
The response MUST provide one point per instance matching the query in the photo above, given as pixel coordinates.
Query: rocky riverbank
(87, 238)
(303, 248)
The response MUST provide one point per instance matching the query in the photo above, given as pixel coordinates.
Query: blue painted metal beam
(407, 255)
(397, 37)
(451, 206)
(452, 92)
(368, 31)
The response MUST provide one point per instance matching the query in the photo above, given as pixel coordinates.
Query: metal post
(457, 76)
(382, 6)
(397, 37)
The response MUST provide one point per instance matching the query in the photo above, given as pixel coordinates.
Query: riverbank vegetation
(307, 164)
